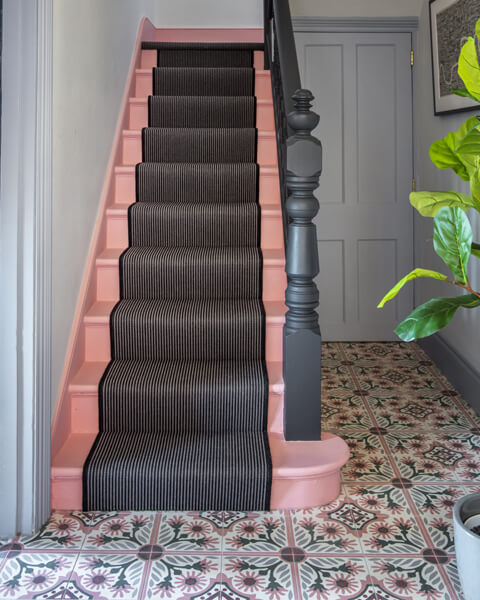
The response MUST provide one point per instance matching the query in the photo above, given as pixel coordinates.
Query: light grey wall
(209, 13)
(93, 45)
(462, 333)
(355, 8)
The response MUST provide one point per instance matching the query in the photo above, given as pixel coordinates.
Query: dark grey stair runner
(183, 402)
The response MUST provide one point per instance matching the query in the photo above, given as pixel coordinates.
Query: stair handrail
(300, 166)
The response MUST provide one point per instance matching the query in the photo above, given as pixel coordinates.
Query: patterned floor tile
(35, 575)
(64, 530)
(174, 577)
(255, 532)
(326, 529)
(106, 576)
(373, 352)
(454, 577)
(191, 531)
(436, 456)
(340, 413)
(368, 460)
(385, 521)
(429, 411)
(434, 504)
(336, 381)
(332, 578)
(409, 578)
(117, 531)
(259, 576)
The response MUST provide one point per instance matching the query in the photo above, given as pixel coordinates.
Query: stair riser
(132, 148)
(269, 186)
(148, 59)
(108, 287)
(271, 231)
(144, 84)
(84, 413)
(97, 340)
(138, 116)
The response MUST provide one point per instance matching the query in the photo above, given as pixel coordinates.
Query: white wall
(209, 13)
(355, 8)
(93, 45)
(462, 333)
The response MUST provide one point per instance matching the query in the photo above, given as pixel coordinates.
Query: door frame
(25, 264)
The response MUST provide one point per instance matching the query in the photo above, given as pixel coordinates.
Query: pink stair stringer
(305, 474)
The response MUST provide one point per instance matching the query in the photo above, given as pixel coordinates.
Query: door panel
(362, 86)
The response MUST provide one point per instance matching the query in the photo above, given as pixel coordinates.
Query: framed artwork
(451, 23)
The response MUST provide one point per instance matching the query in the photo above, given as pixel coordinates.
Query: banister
(300, 165)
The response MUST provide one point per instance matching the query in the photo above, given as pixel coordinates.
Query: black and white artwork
(451, 23)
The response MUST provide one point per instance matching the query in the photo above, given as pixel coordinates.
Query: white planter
(467, 544)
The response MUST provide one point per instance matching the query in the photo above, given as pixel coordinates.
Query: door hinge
(411, 58)
(414, 185)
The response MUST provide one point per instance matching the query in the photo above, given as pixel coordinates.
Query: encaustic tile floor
(415, 449)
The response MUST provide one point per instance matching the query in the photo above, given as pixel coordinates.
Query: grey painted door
(362, 86)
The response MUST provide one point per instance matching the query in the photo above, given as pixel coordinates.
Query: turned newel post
(301, 337)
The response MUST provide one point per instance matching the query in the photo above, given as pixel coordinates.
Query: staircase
(172, 396)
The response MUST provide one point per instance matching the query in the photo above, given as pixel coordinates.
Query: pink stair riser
(271, 229)
(138, 114)
(144, 84)
(108, 287)
(132, 147)
(97, 331)
(269, 192)
(84, 413)
(148, 59)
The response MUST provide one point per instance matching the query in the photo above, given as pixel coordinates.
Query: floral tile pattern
(191, 532)
(415, 447)
(408, 578)
(116, 531)
(393, 529)
(30, 575)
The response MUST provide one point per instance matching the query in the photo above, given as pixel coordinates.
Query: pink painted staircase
(304, 473)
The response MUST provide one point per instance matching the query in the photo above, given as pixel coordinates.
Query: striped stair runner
(183, 402)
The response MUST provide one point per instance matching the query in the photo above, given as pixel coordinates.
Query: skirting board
(460, 373)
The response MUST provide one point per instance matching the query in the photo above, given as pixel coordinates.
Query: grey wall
(355, 8)
(463, 332)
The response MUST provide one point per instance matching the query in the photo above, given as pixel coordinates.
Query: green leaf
(463, 93)
(477, 29)
(429, 203)
(432, 316)
(452, 240)
(475, 187)
(475, 249)
(412, 275)
(444, 153)
(469, 146)
(469, 69)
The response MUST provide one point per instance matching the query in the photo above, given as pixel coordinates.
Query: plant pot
(467, 544)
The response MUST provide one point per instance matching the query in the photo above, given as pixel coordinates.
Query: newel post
(302, 343)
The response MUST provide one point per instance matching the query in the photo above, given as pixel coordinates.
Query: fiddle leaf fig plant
(452, 232)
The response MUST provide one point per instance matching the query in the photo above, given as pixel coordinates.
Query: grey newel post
(302, 342)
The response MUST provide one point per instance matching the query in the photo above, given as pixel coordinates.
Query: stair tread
(290, 459)
(99, 311)
(86, 379)
(271, 257)
(154, 45)
(118, 209)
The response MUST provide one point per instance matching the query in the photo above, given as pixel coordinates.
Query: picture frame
(451, 22)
